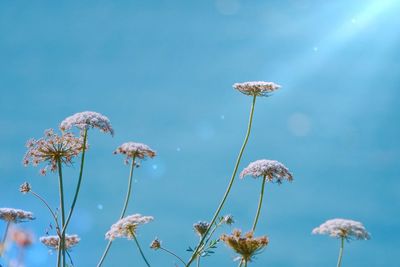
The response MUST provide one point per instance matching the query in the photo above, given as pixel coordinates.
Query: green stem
(49, 208)
(198, 262)
(240, 263)
(62, 239)
(259, 204)
(194, 255)
(4, 238)
(245, 263)
(173, 254)
(140, 250)
(128, 193)
(339, 263)
(78, 186)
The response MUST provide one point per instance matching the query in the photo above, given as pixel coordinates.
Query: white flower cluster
(259, 88)
(87, 119)
(15, 215)
(272, 170)
(52, 241)
(126, 227)
(342, 228)
(137, 150)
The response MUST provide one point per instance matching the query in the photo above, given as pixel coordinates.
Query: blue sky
(162, 71)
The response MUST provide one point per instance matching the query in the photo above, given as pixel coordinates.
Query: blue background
(162, 72)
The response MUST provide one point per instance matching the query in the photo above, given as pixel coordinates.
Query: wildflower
(52, 241)
(246, 246)
(126, 227)
(258, 88)
(21, 237)
(342, 228)
(155, 244)
(87, 119)
(51, 149)
(272, 170)
(228, 219)
(15, 215)
(201, 228)
(25, 188)
(135, 150)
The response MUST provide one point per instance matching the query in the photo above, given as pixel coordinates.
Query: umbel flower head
(21, 237)
(259, 88)
(126, 227)
(135, 150)
(52, 241)
(201, 228)
(25, 188)
(87, 119)
(272, 170)
(15, 215)
(155, 244)
(51, 148)
(246, 246)
(342, 228)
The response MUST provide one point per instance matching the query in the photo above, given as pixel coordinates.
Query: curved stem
(140, 250)
(2, 244)
(194, 255)
(62, 238)
(78, 186)
(173, 254)
(128, 193)
(259, 204)
(49, 208)
(339, 263)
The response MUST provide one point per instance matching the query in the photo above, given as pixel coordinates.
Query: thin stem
(78, 186)
(62, 238)
(259, 204)
(240, 263)
(198, 262)
(128, 193)
(339, 263)
(173, 254)
(194, 255)
(140, 250)
(245, 263)
(50, 209)
(2, 244)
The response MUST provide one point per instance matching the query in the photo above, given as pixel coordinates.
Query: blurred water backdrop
(162, 72)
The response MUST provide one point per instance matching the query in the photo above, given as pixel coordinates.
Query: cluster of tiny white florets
(126, 227)
(15, 215)
(51, 148)
(272, 170)
(135, 150)
(259, 88)
(87, 119)
(53, 241)
(342, 228)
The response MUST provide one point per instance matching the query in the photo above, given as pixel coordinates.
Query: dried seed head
(342, 228)
(15, 215)
(272, 170)
(87, 119)
(51, 148)
(155, 244)
(201, 228)
(126, 227)
(246, 246)
(258, 88)
(52, 241)
(25, 188)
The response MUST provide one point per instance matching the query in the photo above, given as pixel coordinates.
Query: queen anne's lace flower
(259, 88)
(135, 150)
(87, 119)
(25, 188)
(15, 215)
(246, 246)
(342, 228)
(51, 148)
(200, 228)
(272, 170)
(21, 237)
(126, 227)
(52, 241)
(155, 244)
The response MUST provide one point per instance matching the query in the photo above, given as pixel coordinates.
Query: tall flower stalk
(61, 246)
(232, 179)
(339, 263)
(132, 151)
(253, 229)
